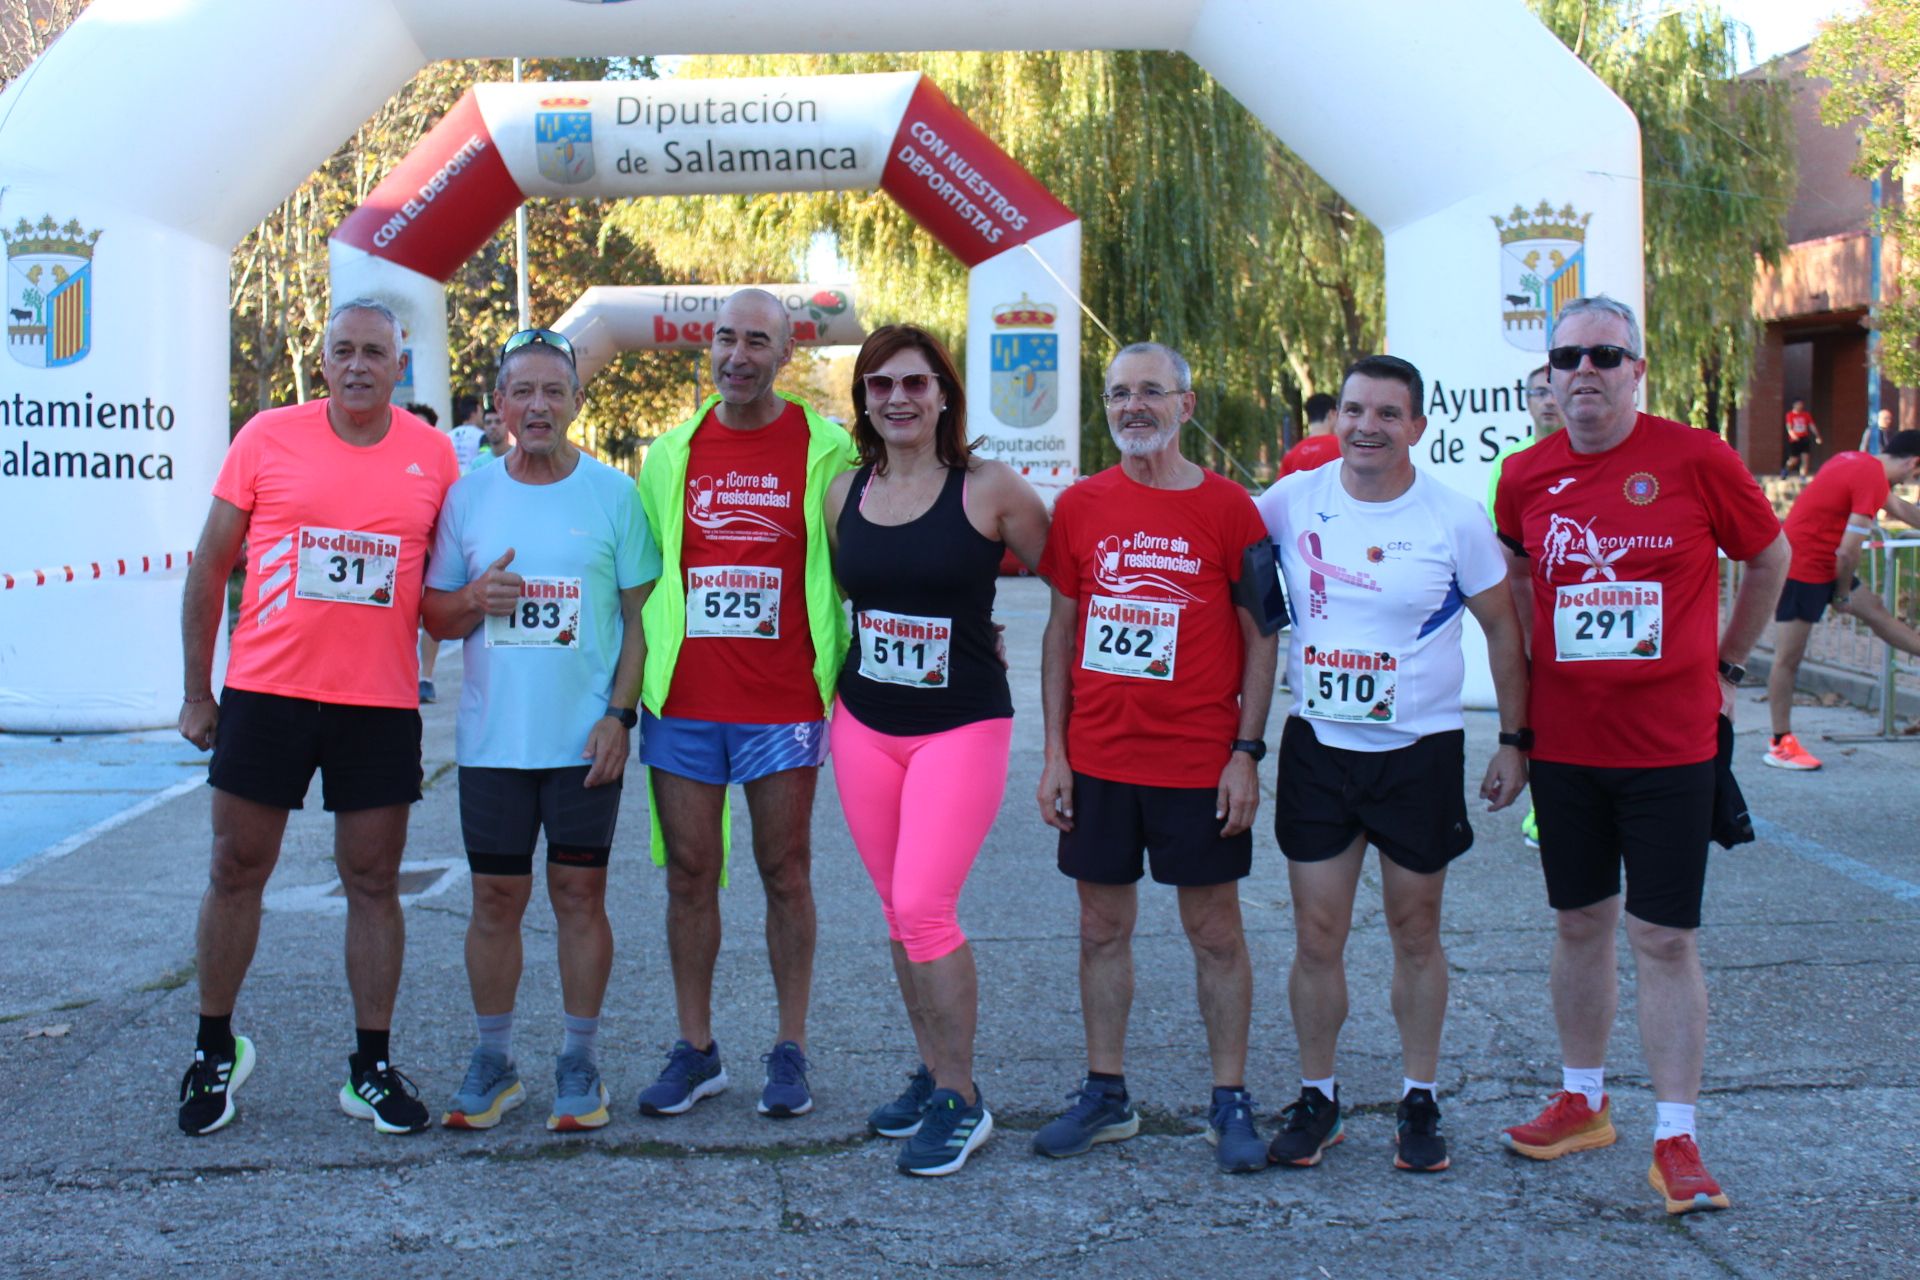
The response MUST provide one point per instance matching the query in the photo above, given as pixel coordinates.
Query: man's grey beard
(1135, 447)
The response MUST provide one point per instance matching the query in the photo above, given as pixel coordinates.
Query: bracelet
(190, 699)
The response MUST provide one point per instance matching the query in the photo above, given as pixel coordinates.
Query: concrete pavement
(1807, 1118)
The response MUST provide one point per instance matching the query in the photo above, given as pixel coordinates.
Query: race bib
(900, 648)
(1607, 621)
(1136, 638)
(738, 601)
(547, 616)
(346, 566)
(1350, 685)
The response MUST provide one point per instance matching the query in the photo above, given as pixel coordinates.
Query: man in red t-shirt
(335, 501)
(1318, 447)
(744, 638)
(1802, 435)
(1828, 526)
(1155, 680)
(1613, 528)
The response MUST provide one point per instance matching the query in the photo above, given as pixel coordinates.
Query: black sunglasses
(1604, 356)
(545, 337)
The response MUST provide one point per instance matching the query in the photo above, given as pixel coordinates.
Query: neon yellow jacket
(663, 620)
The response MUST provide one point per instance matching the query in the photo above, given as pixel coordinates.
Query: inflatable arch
(503, 143)
(151, 137)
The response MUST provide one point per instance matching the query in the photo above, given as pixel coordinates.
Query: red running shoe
(1677, 1174)
(1566, 1125)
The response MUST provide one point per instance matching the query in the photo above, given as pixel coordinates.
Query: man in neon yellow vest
(745, 637)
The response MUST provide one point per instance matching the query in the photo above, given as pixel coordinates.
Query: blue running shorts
(719, 753)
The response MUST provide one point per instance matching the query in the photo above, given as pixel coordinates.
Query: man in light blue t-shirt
(540, 566)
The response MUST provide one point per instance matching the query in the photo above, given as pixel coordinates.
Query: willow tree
(1872, 63)
(1717, 162)
(1199, 229)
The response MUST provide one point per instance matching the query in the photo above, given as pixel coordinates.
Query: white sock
(1408, 1084)
(1672, 1120)
(1591, 1081)
(1326, 1086)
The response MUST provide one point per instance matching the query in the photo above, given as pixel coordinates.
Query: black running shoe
(206, 1091)
(1310, 1125)
(1420, 1146)
(385, 1096)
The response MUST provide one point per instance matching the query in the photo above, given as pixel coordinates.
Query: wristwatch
(1255, 747)
(1732, 672)
(627, 716)
(1522, 739)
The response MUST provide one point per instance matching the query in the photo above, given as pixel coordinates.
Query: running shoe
(785, 1095)
(206, 1091)
(901, 1117)
(948, 1133)
(1100, 1114)
(1682, 1181)
(426, 691)
(579, 1095)
(1419, 1146)
(1530, 828)
(689, 1076)
(492, 1088)
(384, 1095)
(1567, 1125)
(1311, 1124)
(1789, 754)
(1237, 1145)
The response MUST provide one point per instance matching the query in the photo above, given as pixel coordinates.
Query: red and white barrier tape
(132, 566)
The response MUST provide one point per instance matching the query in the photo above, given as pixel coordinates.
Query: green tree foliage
(1718, 164)
(1873, 64)
(1200, 228)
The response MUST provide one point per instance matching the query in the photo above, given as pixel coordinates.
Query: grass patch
(171, 981)
(71, 1004)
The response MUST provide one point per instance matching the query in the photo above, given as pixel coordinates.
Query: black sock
(1116, 1083)
(1777, 737)
(373, 1047)
(215, 1038)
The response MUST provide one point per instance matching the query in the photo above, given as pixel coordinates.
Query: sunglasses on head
(545, 337)
(917, 385)
(1604, 356)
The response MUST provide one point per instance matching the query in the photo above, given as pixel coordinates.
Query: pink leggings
(918, 809)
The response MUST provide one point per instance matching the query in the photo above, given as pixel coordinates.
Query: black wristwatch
(1255, 747)
(1732, 672)
(627, 716)
(1522, 739)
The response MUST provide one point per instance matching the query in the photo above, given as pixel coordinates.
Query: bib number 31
(346, 566)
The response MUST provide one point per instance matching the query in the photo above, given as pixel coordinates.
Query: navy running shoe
(901, 1117)
(1237, 1145)
(1311, 1124)
(949, 1132)
(1100, 1113)
(689, 1076)
(785, 1095)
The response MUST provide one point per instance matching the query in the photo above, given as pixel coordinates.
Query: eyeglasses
(1145, 395)
(918, 386)
(545, 337)
(1604, 356)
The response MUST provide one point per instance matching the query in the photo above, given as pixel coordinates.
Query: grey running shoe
(1237, 1145)
(492, 1088)
(785, 1094)
(689, 1076)
(579, 1095)
(901, 1117)
(206, 1091)
(1312, 1124)
(1101, 1113)
(948, 1134)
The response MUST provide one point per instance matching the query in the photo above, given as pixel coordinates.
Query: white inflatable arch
(151, 137)
(610, 319)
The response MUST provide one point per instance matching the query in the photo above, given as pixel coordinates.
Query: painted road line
(1852, 868)
(55, 852)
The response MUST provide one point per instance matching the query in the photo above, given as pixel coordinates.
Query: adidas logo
(413, 469)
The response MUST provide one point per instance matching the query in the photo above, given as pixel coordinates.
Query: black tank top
(922, 658)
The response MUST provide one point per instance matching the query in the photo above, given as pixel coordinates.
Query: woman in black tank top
(923, 720)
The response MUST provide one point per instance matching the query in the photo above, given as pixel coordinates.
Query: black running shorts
(1654, 822)
(1805, 601)
(503, 810)
(266, 748)
(1410, 801)
(1115, 823)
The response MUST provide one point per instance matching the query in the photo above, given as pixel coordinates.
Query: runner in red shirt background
(1828, 527)
(1318, 447)
(1802, 435)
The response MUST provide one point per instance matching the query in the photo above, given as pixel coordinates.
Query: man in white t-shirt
(540, 566)
(1379, 562)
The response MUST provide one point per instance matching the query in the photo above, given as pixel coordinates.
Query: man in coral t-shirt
(335, 501)
(1614, 527)
(1318, 447)
(1155, 680)
(1827, 528)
